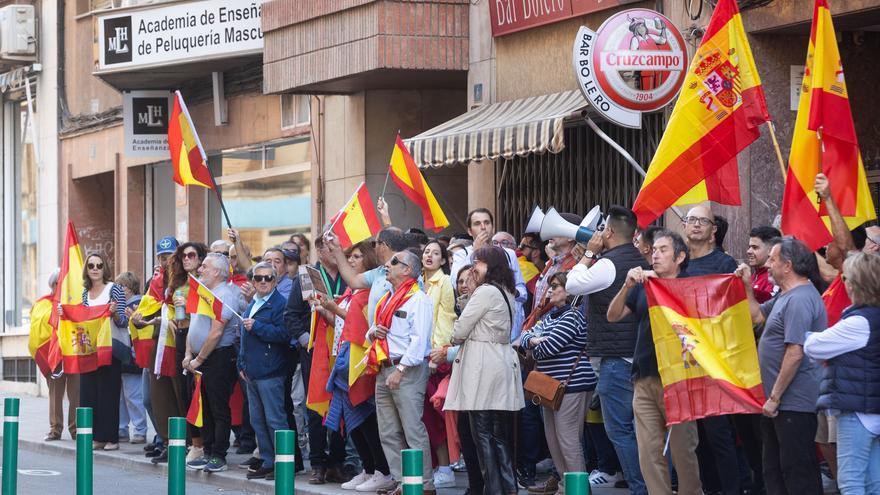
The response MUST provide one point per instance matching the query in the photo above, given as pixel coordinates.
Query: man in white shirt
(403, 319)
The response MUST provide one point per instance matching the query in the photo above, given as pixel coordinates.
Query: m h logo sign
(118, 43)
(152, 116)
(117, 40)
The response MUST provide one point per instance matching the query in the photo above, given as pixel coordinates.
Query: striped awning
(505, 129)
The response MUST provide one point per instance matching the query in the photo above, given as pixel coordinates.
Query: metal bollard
(412, 472)
(285, 460)
(84, 450)
(10, 445)
(176, 456)
(577, 484)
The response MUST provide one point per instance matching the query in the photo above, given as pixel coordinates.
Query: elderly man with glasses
(403, 319)
(263, 364)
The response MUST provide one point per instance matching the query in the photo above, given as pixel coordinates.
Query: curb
(232, 479)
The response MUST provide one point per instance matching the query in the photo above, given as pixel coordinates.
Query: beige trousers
(650, 418)
(57, 387)
(564, 430)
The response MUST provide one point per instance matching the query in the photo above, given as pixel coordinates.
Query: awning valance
(504, 129)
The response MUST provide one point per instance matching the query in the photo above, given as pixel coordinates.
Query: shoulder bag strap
(507, 302)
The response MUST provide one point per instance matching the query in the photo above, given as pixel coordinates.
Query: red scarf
(387, 306)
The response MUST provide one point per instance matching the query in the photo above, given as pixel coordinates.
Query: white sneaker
(444, 479)
(194, 453)
(377, 482)
(357, 480)
(600, 478)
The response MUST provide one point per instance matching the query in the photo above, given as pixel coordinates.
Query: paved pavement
(113, 469)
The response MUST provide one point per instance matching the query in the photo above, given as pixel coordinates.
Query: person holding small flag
(214, 307)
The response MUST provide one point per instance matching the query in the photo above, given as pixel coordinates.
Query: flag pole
(219, 198)
(776, 147)
(216, 296)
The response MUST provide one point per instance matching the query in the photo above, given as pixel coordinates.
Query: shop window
(294, 110)
(21, 286)
(19, 370)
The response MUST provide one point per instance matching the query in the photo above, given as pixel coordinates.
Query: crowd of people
(468, 322)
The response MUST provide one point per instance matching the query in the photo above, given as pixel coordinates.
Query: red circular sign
(640, 59)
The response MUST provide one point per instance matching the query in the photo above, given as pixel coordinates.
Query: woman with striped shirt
(100, 389)
(557, 343)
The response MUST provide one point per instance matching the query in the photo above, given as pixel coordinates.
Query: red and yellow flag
(166, 353)
(69, 289)
(142, 338)
(320, 343)
(361, 386)
(188, 158)
(716, 116)
(705, 347)
(200, 300)
(194, 413)
(824, 139)
(357, 220)
(410, 180)
(387, 305)
(85, 337)
(42, 333)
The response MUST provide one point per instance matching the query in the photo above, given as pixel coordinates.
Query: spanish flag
(200, 300)
(42, 333)
(142, 338)
(194, 413)
(69, 290)
(320, 343)
(361, 385)
(165, 363)
(706, 351)
(824, 139)
(716, 116)
(357, 220)
(188, 158)
(410, 180)
(85, 338)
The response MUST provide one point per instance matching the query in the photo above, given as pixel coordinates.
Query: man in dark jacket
(263, 364)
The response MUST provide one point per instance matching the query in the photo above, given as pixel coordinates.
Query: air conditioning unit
(18, 40)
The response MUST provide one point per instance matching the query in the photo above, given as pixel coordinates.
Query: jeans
(131, 406)
(244, 433)
(266, 407)
(219, 374)
(790, 463)
(858, 457)
(615, 389)
(598, 450)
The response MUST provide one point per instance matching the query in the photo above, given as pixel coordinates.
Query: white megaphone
(556, 226)
(535, 220)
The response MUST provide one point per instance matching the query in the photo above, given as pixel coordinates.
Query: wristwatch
(590, 254)
(401, 368)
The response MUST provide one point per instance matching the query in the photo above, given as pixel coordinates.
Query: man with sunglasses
(403, 318)
(263, 365)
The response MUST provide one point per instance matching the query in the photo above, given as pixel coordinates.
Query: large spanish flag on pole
(357, 220)
(410, 180)
(824, 140)
(69, 290)
(705, 347)
(188, 158)
(85, 338)
(716, 116)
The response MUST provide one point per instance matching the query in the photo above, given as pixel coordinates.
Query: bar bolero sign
(510, 16)
(177, 32)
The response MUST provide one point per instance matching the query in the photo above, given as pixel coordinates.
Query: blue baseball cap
(167, 244)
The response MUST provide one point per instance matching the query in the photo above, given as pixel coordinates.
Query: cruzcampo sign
(634, 63)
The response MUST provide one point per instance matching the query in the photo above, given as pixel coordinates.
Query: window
(19, 370)
(294, 110)
(20, 284)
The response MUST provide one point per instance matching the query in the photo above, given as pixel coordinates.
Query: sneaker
(138, 439)
(357, 480)
(459, 466)
(601, 478)
(549, 487)
(162, 457)
(251, 463)
(377, 482)
(444, 479)
(197, 464)
(51, 437)
(111, 446)
(260, 473)
(195, 453)
(216, 465)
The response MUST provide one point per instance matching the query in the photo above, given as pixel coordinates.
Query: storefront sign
(178, 32)
(145, 121)
(635, 63)
(510, 16)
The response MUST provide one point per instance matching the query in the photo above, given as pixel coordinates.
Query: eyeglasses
(555, 286)
(264, 278)
(96, 266)
(395, 261)
(506, 244)
(190, 255)
(224, 253)
(698, 220)
(529, 246)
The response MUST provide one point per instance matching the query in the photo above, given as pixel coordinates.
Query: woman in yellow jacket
(438, 286)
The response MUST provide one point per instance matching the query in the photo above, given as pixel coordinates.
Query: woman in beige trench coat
(486, 379)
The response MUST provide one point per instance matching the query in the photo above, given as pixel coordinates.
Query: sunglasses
(264, 278)
(224, 253)
(524, 246)
(395, 261)
(96, 266)
(190, 255)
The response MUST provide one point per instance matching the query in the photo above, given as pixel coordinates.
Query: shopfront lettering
(509, 16)
(538, 8)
